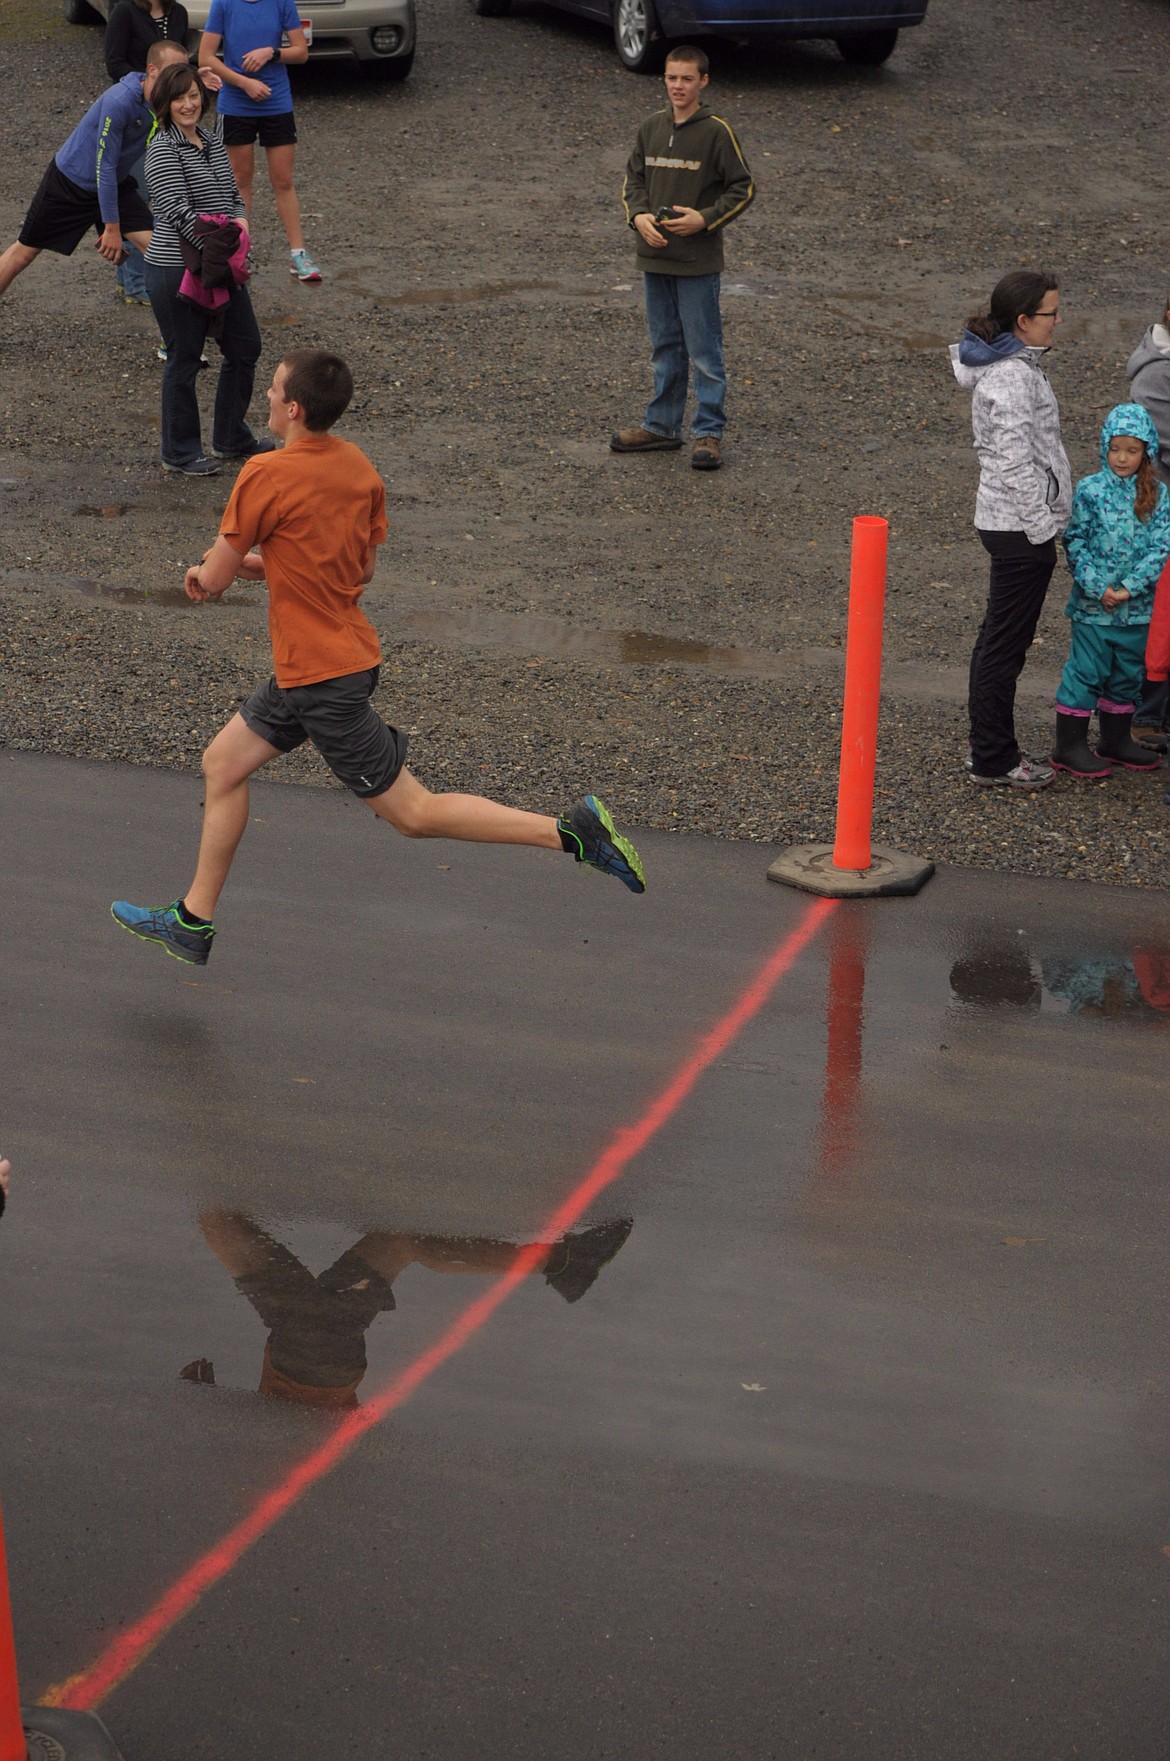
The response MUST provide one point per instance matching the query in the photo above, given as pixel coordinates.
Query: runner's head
(311, 387)
(685, 78)
(159, 57)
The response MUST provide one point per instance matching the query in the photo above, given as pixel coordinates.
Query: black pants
(1020, 573)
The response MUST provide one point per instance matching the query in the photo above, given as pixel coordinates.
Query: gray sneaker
(1028, 774)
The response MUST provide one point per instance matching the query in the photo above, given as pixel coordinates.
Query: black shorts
(62, 213)
(356, 744)
(318, 1325)
(271, 131)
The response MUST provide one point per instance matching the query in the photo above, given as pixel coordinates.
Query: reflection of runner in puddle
(316, 1348)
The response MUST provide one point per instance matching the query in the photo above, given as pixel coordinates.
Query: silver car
(378, 34)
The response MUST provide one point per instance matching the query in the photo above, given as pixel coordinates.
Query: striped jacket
(693, 164)
(184, 182)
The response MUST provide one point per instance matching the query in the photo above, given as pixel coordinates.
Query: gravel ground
(480, 279)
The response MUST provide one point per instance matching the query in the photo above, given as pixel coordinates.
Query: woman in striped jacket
(188, 175)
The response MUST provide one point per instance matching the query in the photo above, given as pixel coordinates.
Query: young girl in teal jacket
(1117, 541)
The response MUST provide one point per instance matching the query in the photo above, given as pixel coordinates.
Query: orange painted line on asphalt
(87, 1690)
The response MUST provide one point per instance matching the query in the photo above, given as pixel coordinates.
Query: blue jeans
(682, 316)
(131, 270)
(185, 328)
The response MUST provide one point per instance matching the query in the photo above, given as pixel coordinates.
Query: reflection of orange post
(844, 1039)
(12, 1744)
(863, 689)
(852, 867)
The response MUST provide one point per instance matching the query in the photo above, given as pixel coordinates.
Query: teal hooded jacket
(1106, 544)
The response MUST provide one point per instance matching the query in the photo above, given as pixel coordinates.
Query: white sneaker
(1028, 774)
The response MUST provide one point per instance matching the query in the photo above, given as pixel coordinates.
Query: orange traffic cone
(41, 1731)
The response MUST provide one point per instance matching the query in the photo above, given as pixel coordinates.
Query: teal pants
(1104, 667)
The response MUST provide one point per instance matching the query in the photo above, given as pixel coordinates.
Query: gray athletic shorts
(356, 744)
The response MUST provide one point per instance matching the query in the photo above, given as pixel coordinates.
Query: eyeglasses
(1055, 313)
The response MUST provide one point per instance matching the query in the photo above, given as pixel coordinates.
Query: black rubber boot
(1117, 744)
(1073, 752)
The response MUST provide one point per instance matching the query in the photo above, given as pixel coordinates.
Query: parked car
(377, 34)
(865, 31)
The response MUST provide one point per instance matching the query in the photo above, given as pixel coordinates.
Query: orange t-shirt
(314, 510)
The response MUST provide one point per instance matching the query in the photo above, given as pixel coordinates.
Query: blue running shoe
(166, 925)
(589, 832)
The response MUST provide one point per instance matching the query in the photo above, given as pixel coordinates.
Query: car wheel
(868, 48)
(81, 12)
(636, 36)
(396, 69)
(491, 8)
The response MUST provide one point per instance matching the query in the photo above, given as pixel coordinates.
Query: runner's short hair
(160, 51)
(688, 52)
(321, 383)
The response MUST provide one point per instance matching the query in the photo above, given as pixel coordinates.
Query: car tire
(396, 69)
(868, 48)
(491, 8)
(637, 37)
(81, 12)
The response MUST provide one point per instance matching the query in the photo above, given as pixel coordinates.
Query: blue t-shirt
(253, 24)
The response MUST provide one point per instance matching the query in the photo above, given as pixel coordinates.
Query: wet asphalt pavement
(856, 1445)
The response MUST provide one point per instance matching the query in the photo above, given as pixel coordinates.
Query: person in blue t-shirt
(242, 43)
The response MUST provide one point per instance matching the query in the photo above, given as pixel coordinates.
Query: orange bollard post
(852, 867)
(863, 690)
(41, 1731)
(12, 1743)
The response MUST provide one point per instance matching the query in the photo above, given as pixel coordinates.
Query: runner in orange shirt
(307, 520)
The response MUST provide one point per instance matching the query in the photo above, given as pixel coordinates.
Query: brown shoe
(641, 440)
(706, 454)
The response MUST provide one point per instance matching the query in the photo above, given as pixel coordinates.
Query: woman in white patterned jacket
(1023, 504)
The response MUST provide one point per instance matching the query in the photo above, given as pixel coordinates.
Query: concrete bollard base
(810, 867)
(53, 1734)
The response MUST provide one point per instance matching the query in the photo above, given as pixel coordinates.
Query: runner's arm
(105, 176)
(371, 565)
(211, 578)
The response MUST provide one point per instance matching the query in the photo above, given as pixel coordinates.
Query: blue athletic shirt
(253, 24)
(107, 141)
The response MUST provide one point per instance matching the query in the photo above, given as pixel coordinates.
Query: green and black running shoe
(590, 834)
(166, 925)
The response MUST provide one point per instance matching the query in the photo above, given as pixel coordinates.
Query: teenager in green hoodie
(687, 177)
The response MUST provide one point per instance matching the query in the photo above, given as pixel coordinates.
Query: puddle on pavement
(554, 638)
(315, 1350)
(460, 296)
(1107, 985)
(131, 595)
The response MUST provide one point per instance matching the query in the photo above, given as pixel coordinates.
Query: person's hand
(1113, 597)
(645, 227)
(110, 243)
(194, 588)
(5, 1171)
(255, 59)
(210, 81)
(257, 90)
(686, 222)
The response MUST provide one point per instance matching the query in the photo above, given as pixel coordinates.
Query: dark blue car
(865, 31)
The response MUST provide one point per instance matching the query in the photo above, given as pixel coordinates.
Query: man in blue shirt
(88, 183)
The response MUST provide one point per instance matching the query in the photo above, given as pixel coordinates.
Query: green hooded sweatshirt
(693, 164)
